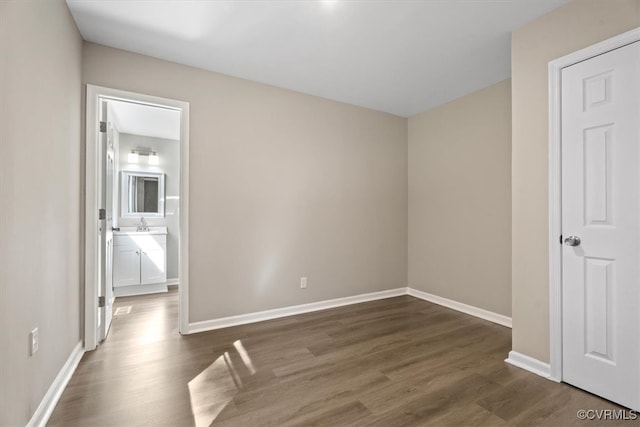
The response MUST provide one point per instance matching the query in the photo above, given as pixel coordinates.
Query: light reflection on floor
(213, 388)
(245, 356)
(153, 330)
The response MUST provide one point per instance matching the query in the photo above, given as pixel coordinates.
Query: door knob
(572, 241)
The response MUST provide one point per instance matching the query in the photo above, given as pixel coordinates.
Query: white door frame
(555, 186)
(91, 274)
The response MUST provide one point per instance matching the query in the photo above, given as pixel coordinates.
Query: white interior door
(601, 225)
(107, 176)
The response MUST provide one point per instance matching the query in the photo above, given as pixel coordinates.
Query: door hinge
(101, 302)
(102, 214)
(561, 239)
(103, 126)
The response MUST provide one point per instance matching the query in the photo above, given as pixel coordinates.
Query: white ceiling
(398, 56)
(145, 120)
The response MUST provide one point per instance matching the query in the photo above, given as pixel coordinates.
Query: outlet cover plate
(35, 341)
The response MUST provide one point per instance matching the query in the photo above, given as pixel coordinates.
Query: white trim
(464, 308)
(50, 400)
(243, 319)
(94, 93)
(555, 224)
(129, 291)
(530, 364)
(91, 261)
(260, 316)
(461, 307)
(152, 288)
(555, 187)
(183, 251)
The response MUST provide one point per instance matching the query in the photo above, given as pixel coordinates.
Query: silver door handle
(572, 241)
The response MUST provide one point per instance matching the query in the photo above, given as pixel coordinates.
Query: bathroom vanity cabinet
(139, 258)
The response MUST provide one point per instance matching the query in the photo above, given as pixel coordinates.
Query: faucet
(143, 225)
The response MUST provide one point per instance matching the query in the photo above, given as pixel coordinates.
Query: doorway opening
(136, 207)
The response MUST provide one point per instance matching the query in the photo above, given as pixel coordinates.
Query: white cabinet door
(153, 266)
(126, 265)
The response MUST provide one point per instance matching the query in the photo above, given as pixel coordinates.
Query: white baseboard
(225, 322)
(50, 400)
(530, 364)
(464, 308)
(243, 319)
(129, 291)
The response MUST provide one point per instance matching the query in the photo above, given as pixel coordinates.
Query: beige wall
(40, 87)
(283, 185)
(460, 200)
(579, 24)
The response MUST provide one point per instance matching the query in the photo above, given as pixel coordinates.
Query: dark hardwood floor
(394, 362)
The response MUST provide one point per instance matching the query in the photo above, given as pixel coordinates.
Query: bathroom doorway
(136, 207)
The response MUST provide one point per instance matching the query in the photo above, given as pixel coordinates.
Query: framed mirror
(141, 194)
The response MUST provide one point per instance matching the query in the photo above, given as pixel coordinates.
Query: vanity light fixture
(132, 157)
(135, 154)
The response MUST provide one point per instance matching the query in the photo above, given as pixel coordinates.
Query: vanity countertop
(132, 231)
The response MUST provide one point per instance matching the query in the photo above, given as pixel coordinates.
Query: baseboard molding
(464, 308)
(129, 291)
(242, 319)
(50, 400)
(530, 364)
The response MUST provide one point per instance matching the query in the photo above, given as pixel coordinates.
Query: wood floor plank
(394, 362)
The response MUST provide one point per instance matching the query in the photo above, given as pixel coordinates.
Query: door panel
(601, 205)
(105, 201)
(598, 290)
(126, 265)
(109, 207)
(152, 266)
(597, 172)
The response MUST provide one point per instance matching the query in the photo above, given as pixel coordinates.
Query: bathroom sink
(132, 231)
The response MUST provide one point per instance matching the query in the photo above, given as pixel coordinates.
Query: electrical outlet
(35, 338)
(303, 283)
